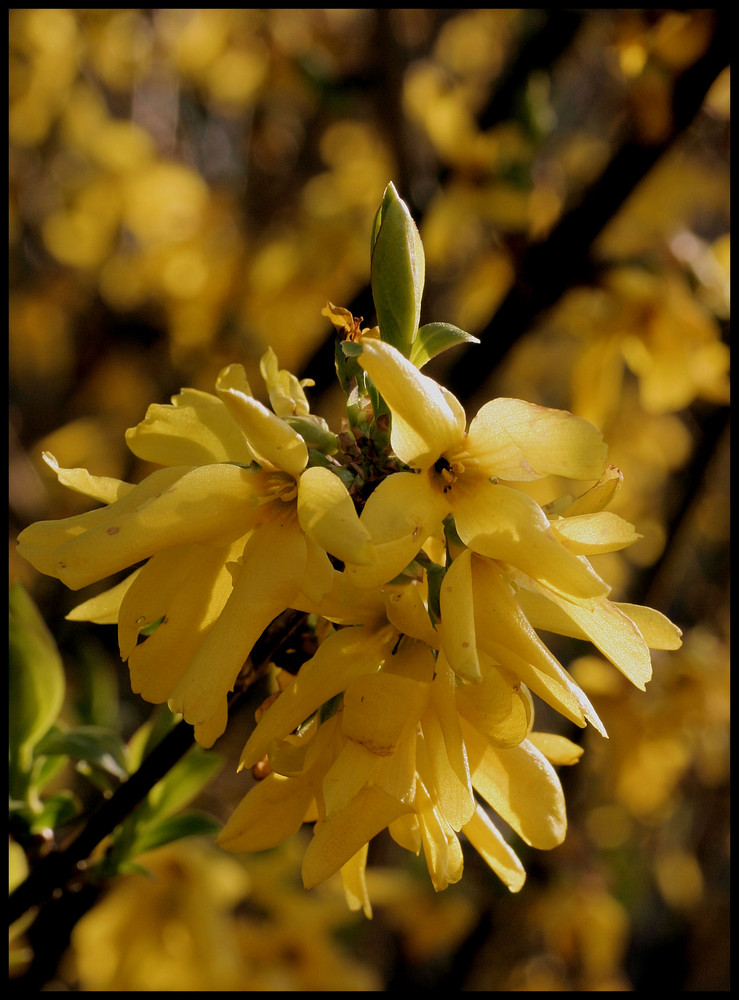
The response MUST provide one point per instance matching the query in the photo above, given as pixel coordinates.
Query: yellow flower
(375, 732)
(232, 528)
(459, 472)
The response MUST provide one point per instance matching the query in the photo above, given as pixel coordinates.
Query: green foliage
(434, 338)
(36, 685)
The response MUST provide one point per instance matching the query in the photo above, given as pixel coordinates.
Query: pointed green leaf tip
(398, 271)
(433, 338)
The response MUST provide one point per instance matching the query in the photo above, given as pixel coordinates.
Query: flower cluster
(425, 572)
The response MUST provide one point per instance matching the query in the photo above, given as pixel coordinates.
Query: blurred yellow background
(190, 186)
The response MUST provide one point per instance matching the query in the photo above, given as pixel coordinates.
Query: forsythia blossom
(424, 571)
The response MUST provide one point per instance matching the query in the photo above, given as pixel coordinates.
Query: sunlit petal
(427, 419)
(399, 515)
(270, 438)
(521, 441)
(355, 883)
(271, 575)
(101, 488)
(196, 429)
(170, 507)
(163, 592)
(327, 513)
(590, 534)
(490, 845)
(522, 786)
(503, 523)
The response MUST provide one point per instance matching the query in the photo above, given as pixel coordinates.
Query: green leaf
(183, 782)
(398, 272)
(61, 808)
(101, 748)
(190, 824)
(434, 338)
(36, 683)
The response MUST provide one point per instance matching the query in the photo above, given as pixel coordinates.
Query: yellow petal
(520, 441)
(400, 515)
(164, 590)
(271, 574)
(557, 749)
(286, 394)
(426, 418)
(590, 534)
(657, 630)
(597, 498)
(406, 832)
(503, 523)
(381, 709)
(504, 633)
(444, 705)
(355, 884)
(458, 618)
(272, 811)
(453, 792)
(343, 655)
(327, 513)
(441, 845)
(103, 609)
(602, 623)
(196, 429)
(101, 488)
(170, 507)
(406, 609)
(496, 708)
(336, 840)
(490, 845)
(522, 786)
(270, 438)
(356, 768)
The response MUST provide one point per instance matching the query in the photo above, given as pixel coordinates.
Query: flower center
(448, 472)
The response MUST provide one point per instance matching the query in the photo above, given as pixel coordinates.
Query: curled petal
(520, 441)
(286, 394)
(196, 429)
(601, 622)
(591, 534)
(326, 512)
(269, 437)
(427, 419)
(458, 618)
(406, 609)
(101, 488)
(441, 846)
(657, 630)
